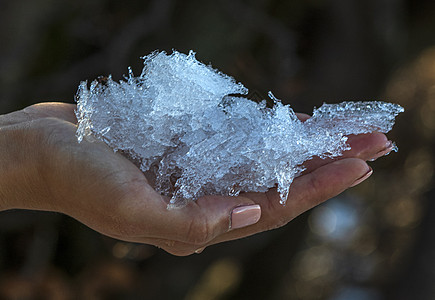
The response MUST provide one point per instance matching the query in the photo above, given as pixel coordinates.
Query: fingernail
(388, 145)
(243, 216)
(387, 149)
(198, 251)
(362, 178)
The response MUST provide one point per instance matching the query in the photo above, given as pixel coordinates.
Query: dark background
(376, 241)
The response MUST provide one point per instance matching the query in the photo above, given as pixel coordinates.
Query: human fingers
(368, 146)
(306, 192)
(364, 146)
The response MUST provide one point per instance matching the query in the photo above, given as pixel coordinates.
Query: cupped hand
(45, 168)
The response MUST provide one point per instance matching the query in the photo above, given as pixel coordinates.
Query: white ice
(178, 121)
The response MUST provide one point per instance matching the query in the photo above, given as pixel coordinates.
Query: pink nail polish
(199, 251)
(389, 145)
(362, 178)
(243, 216)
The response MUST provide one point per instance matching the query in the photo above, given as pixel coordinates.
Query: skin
(42, 167)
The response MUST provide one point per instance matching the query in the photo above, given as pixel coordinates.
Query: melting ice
(179, 121)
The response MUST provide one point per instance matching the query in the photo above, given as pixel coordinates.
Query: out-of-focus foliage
(373, 242)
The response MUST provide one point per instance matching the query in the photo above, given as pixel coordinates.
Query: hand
(44, 168)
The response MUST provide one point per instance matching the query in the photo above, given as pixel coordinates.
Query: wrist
(20, 182)
(9, 166)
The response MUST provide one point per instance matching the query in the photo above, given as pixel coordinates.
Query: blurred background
(375, 241)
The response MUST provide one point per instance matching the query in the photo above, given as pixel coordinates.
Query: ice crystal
(181, 122)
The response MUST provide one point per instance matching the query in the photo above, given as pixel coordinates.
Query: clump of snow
(180, 122)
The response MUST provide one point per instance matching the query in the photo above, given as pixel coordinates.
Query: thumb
(201, 221)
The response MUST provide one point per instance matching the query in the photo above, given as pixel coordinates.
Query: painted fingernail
(362, 178)
(243, 216)
(198, 251)
(389, 145)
